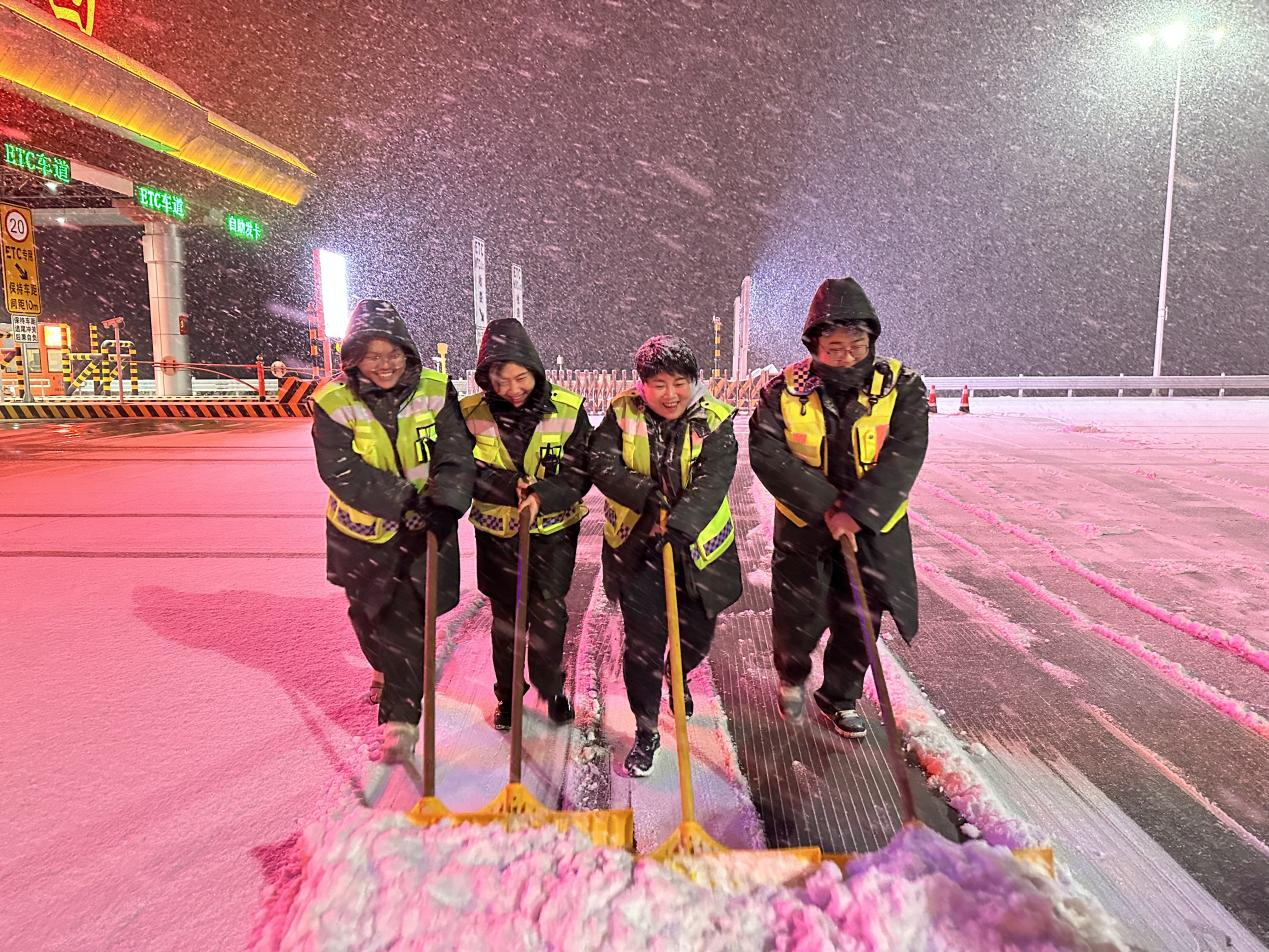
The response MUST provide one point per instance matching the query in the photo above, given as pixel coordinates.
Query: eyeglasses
(377, 360)
(856, 349)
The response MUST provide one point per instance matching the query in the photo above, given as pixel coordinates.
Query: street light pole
(1167, 227)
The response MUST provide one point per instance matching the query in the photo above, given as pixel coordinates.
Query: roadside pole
(114, 324)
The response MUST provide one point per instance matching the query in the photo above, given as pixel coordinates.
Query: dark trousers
(644, 661)
(547, 624)
(809, 592)
(391, 638)
(551, 561)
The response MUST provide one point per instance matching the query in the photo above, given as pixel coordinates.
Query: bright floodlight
(1145, 40)
(1173, 35)
(332, 275)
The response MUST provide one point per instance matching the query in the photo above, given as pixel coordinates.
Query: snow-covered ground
(185, 730)
(1094, 628)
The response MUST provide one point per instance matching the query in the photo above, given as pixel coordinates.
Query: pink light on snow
(1218, 701)
(1234, 644)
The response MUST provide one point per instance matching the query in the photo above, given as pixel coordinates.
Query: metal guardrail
(1117, 384)
(600, 386)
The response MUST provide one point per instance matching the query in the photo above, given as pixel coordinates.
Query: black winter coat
(370, 572)
(885, 560)
(718, 585)
(552, 556)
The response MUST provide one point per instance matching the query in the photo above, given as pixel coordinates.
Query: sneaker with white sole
(399, 739)
(844, 718)
(793, 702)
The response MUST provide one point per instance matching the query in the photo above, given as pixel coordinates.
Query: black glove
(679, 540)
(655, 503)
(438, 520)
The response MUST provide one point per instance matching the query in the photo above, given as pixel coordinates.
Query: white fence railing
(1120, 384)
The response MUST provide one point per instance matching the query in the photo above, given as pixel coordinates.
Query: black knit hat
(841, 302)
(662, 354)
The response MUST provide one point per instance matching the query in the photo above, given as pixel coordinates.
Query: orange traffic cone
(964, 408)
(934, 399)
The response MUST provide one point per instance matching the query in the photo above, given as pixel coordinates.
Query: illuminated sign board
(245, 228)
(165, 203)
(79, 12)
(331, 271)
(52, 167)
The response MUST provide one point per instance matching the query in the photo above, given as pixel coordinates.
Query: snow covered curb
(371, 881)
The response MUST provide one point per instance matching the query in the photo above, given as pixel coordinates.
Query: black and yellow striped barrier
(293, 400)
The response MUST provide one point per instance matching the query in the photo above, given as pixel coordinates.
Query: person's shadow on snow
(306, 644)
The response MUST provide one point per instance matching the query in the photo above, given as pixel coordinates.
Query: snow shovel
(1040, 856)
(429, 809)
(515, 807)
(689, 842)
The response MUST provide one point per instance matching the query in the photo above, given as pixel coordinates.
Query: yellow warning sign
(21, 264)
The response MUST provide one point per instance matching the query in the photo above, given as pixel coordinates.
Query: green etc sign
(51, 167)
(246, 229)
(165, 203)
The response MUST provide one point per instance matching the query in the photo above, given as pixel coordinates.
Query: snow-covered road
(184, 692)
(1093, 575)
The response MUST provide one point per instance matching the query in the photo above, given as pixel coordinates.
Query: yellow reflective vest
(719, 534)
(541, 458)
(416, 432)
(806, 434)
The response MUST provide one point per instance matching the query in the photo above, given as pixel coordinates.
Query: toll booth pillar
(165, 265)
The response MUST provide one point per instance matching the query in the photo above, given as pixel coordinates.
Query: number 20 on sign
(21, 264)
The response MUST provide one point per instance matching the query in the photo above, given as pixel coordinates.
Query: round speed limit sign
(15, 226)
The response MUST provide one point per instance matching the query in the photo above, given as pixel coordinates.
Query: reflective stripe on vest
(544, 452)
(720, 533)
(416, 433)
(806, 433)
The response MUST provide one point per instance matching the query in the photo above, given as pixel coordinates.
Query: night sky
(993, 174)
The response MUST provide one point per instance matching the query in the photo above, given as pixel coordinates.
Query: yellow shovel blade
(429, 810)
(1038, 856)
(693, 853)
(515, 808)
(1041, 856)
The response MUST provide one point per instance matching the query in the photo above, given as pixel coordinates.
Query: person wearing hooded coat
(531, 460)
(667, 446)
(392, 449)
(838, 440)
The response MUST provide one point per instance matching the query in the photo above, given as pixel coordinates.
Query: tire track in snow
(978, 607)
(1173, 773)
(953, 590)
(1233, 644)
(1219, 701)
(1091, 531)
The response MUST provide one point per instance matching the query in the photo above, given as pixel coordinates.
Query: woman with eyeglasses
(393, 450)
(838, 440)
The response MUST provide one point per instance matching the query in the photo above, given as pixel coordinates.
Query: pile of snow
(948, 766)
(372, 881)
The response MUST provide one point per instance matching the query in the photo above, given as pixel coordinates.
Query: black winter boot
(502, 716)
(644, 751)
(560, 709)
